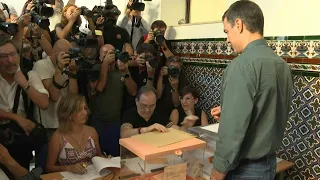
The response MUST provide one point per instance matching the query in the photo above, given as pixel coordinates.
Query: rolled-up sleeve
(238, 92)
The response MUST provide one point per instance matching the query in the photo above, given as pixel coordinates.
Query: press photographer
(106, 18)
(171, 80)
(133, 22)
(22, 91)
(11, 14)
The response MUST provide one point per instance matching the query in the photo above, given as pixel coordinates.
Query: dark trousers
(261, 169)
(109, 135)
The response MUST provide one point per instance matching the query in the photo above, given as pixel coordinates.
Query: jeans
(261, 169)
(109, 135)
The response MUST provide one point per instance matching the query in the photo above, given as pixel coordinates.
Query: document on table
(213, 127)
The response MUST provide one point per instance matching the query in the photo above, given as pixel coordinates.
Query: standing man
(255, 98)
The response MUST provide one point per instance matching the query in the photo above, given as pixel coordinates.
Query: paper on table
(212, 127)
(101, 163)
(159, 139)
(91, 174)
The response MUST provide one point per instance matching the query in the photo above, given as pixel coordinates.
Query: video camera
(83, 40)
(122, 56)
(108, 12)
(9, 28)
(136, 5)
(42, 12)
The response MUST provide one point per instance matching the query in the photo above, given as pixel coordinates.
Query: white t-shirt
(56, 17)
(8, 91)
(49, 118)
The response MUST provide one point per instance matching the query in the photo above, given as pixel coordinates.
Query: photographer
(9, 11)
(108, 92)
(53, 73)
(134, 23)
(17, 92)
(106, 19)
(170, 81)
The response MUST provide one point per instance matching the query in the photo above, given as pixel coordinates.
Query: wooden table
(58, 176)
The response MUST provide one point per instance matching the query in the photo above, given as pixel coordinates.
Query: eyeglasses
(186, 99)
(6, 56)
(144, 107)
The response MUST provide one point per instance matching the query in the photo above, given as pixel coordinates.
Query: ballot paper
(213, 127)
(97, 169)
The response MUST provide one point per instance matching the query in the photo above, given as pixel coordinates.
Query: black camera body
(9, 28)
(86, 12)
(109, 13)
(41, 13)
(84, 64)
(158, 37)
(83, 40)
(138, 6)
(173, 71)
(122, 56)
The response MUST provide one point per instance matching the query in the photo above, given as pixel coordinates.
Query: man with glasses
(143, 118)
(11, 78)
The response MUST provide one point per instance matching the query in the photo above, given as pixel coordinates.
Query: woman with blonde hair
(74, 144)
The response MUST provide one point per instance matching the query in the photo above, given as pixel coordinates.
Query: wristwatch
(26, 88)
(126, 75)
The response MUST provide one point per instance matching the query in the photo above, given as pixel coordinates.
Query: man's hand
(73, 68)
(216, 112)
(20, 79)
(24, 20)
(155, 126)
(215, 175)
(63, 60)
(140, 60)
(189, 121)
(174, 83)
(4, 155)
(123, 67)
(26, 125)
(164, 71)
(30, 6)
(150, 37)
(109, 58)
(100, 21)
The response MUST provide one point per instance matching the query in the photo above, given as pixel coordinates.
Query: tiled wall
(205, 60)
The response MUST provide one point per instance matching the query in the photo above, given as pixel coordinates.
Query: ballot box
(156, 156)
(209, 134)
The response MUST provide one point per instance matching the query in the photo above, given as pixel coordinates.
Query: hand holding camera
(164, 71)
(75, 15)
(140, 60)
(150, 37)
(24, 20)
(109, 58)
(174, 82)
(30, 6)
(63, 60)
(100, 21)
(123, 67)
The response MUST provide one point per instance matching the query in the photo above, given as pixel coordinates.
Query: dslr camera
(86, 12)
(158, 37)
(122, 56)
(83, 40)
(9, 28)
(108, 12)
(136, 5)
(173, 71)
(42, 12)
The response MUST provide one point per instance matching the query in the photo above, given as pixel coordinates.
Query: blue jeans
(109, 135)
(261, 169)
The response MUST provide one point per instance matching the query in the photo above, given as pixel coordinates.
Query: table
(58, 176)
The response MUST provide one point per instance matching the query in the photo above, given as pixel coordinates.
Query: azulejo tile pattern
(205, 60)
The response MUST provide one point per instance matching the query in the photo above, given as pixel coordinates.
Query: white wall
(151, 13)
(282, 18)
(172, 11)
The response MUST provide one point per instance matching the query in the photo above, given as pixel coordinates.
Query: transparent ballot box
(209, 134)
(143, 160)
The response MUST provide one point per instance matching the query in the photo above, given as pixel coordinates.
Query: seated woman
(187, 115)
(74, 144)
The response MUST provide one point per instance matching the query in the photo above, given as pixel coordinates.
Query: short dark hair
(158, 24)
(145, 89)
(146, 48)
(189, 89)
(174, 59)
(8, 40)
(249, 12)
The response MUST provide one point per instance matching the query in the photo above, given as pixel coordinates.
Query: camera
(9, 28)
(83, 40)
(84, 64)
(86, 12)
(109, 12)
(158, 37)
(41, 22)
(173, 71)
(41, 13)
(136, 5)
(122, 56)
(152, 61)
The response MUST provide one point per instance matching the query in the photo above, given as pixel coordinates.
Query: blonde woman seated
(187, 115)
(74, 144)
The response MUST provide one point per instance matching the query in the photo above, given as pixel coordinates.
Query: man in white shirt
(10, 78)
(57, 83)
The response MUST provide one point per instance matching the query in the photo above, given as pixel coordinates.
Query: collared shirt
(256, 95)
(8, 91)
